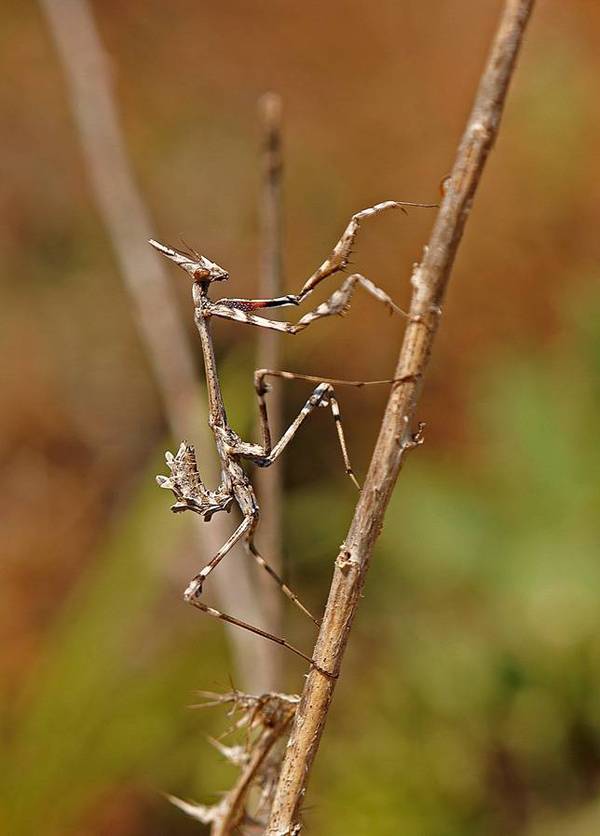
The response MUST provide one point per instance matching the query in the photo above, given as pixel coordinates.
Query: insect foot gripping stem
(189, 489)
(328, 674)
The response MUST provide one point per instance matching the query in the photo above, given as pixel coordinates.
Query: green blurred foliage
(469, 700)
(107, 701)
(479, 713)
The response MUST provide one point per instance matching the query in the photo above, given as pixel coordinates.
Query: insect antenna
(187, 249)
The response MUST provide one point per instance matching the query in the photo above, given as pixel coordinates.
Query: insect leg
(251, 548)
(337, 304)
(260, 374)
(195, 586)
(262, 389)
(340, 254)
(194, 589)
(321, 396)
(258, 632)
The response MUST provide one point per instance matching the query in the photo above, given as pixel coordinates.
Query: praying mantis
(191, 494)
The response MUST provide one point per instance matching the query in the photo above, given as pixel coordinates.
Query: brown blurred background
(469, 703)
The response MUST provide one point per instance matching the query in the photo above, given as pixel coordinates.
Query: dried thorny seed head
(265, 709)
(236, 755)
(201, 269)
(263, 721)
(189, 489)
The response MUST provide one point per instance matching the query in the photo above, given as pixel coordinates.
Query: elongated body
(235, 486)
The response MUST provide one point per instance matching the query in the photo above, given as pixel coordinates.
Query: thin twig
(429, 282)
(269, 481)
(126, 219)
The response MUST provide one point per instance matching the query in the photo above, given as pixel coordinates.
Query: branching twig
(429, 282)
(269, 480)
(124, 214)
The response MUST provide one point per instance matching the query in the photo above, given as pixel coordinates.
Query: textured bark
(429, 282)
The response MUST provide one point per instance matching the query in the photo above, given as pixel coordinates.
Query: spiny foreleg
(340, 255)
(337, 305)
(337, 261)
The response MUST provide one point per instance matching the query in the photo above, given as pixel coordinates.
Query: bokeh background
(470, 701)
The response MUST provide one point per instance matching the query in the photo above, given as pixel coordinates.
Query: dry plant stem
(266, 720)
(88, 76)
(429, 283)
(269, 480)
(236, 799)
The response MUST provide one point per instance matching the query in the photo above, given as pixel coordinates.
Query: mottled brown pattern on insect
(185, 482)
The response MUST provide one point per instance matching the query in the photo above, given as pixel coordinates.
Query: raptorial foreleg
(334, 263)
(337, 304)
(340, 255)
